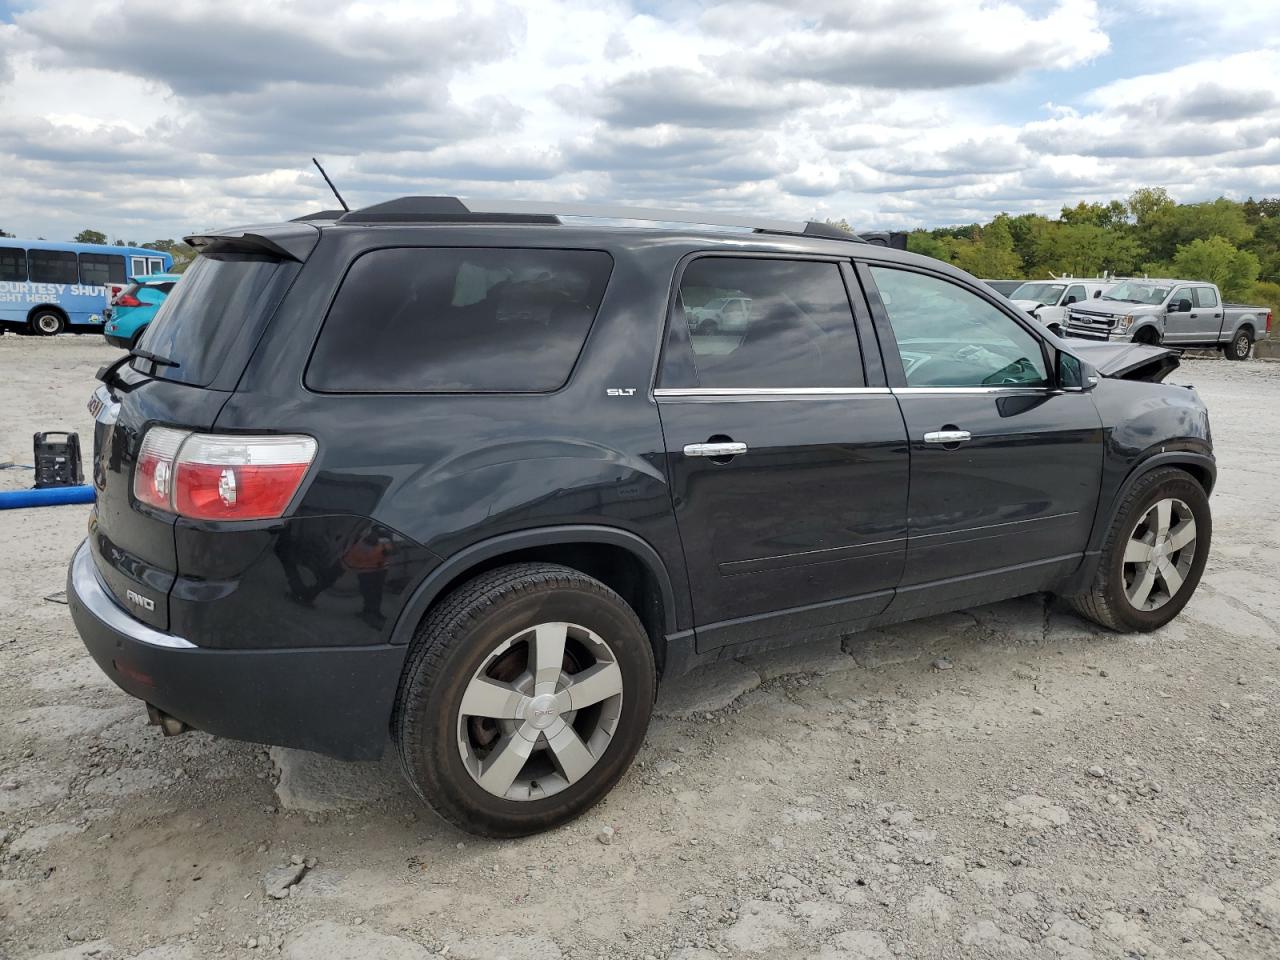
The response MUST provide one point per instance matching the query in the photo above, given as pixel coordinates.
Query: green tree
(1084, 250)
(1217, 260)
(1108, 215)
(1148, 202)
(181, 253)
(925, 243)
(91, 236)
(989, 252)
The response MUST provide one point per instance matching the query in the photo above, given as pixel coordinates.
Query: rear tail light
(1268, 323)
(127, 300)
(221, 476)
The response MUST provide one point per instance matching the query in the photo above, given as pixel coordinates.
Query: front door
(788, 471)
(1005, 467)
(1182, 321)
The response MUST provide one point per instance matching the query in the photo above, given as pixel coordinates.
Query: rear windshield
(220, 298)
(434, 319)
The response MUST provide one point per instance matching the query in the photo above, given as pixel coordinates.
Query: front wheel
(1153, 556)
(526, 695)
(1240, 346)
(48, 323)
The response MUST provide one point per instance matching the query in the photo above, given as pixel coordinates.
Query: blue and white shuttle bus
(48, 287)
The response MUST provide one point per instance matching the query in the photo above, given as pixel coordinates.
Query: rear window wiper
(155, 358)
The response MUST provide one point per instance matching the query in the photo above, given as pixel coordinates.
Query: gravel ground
(1004, 782)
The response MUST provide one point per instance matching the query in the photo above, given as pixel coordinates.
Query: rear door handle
(948, 436)
(725, 449)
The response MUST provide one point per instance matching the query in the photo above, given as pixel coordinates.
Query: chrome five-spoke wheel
(540, 711)
(1159, 554)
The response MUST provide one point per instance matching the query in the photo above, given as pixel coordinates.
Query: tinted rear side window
(53, 266)
(443, 320)
(220, 298)
(13, 264)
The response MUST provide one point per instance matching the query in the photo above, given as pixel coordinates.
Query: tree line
(1233, 244)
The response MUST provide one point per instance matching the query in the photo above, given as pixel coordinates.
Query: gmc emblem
(140, 600)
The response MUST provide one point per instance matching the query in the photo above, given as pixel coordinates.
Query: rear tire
(1240, 347)
(1145, 576)
(47, 323)
(491, 738)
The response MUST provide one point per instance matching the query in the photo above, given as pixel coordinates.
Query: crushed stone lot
(1009, 781)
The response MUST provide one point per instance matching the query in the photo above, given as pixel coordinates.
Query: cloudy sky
(152, 118)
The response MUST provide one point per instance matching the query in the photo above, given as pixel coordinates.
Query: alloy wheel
(540, 711)
(1159, 554)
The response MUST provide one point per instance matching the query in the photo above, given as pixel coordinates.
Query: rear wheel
(1240, 346)
(526, 696)
(1153, 556)
(48, 323)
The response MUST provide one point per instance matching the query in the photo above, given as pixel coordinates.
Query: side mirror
(1096, 294)
(1074, 373)
(1070, 300)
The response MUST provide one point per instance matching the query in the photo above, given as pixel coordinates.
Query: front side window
(760, 323)
(99, 269)
(13, 264)
(1075, 294)
(451, 320)
(950, 337)
(53, 266)
(1181, 300)
(1206, 297)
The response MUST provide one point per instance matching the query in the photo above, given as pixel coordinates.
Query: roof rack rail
(455, 210)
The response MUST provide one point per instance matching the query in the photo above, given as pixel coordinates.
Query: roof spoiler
(288, 241)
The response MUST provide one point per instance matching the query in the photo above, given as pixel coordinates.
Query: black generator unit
(58, 460)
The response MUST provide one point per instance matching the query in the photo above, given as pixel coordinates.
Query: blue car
(134, 307)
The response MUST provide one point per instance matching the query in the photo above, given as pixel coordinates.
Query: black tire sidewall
(35, 324)
(1235, 352)
(429, 716)
(1170, 484)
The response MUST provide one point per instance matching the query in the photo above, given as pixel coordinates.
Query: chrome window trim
(765, 391)
(976, 390)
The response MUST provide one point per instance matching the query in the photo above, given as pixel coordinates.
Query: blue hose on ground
(48, 497)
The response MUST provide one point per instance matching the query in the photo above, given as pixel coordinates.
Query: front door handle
(728, 448)
(948, 436)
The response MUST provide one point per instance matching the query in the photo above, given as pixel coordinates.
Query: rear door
(787, 459)
(1005, 467)
(1208, 313)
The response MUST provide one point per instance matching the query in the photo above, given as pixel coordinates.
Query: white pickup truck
(1049, 300)
(1175, 313)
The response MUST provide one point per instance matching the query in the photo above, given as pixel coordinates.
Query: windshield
(1138, 291)
(218, 299)
(1044, 293)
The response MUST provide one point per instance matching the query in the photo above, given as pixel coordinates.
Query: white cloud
(886, 112)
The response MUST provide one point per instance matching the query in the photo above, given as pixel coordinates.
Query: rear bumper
(334, 700)
(122, 342)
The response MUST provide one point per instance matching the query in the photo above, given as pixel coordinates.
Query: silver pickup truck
(1175, 313)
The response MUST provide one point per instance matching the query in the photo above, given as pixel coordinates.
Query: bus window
(99, 269)
(53, 266)
(13, 264)
(155, 265)
(137, 266)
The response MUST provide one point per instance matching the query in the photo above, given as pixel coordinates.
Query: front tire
(1240, 347)
(526, 695)
(1153, 556)
(48, 323)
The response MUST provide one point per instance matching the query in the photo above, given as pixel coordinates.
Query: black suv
(471, 480)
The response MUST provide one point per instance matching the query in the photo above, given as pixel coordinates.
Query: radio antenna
(331, 186)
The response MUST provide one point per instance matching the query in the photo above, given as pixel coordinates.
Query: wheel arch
(1199, 464)
(52, 307)
(621, 560)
